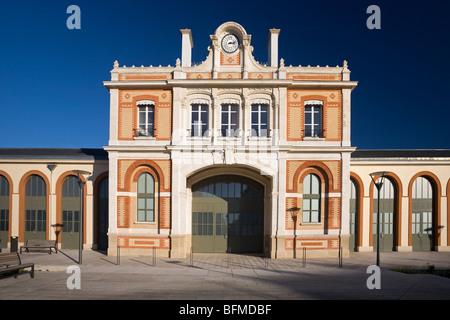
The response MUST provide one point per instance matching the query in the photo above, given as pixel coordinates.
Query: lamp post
(294, 214)
(81, 183)
(378, 185)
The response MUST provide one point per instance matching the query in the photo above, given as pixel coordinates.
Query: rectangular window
(146, 121)
(259, 120)
(313, 121)
(311, 210)
(199, 120)
(230, 120)
(202, 223)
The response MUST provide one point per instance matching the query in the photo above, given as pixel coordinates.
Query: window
(311, 198)
(230, 120)
(199, 120)
(259, 118)
(313, 119)
(146, 118)
(146, 198)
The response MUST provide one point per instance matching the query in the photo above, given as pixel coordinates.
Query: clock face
(230, 43)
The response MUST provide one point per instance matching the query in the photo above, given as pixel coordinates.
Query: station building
(229, 155)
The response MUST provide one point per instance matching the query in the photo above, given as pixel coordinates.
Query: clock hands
(230, 43)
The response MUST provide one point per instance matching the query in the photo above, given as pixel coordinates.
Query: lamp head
(293, 211)
(81, 172)
(380, 174)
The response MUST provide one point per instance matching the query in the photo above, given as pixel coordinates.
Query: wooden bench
(40, 244)
(10, 262)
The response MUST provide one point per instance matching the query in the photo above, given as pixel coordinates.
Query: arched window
(4, 211)
(311, 198)
(146, 198)
(35, 208)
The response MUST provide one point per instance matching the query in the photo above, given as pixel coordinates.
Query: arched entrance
(35, 208)
(228, 215)
(4, 211)
(387, 216)
(353, 218)
(422, 234)
(102, 214)
(70, 213)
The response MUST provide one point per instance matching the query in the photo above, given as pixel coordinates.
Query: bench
(39, 244)
(10, 262)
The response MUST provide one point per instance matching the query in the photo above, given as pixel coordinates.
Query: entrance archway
(422, 226)
(387, 217)
(228, 215)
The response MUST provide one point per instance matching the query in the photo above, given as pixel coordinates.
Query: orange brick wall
(332, 113)
(127, 173)
(128, 112)
(330, 173)
(143, 242)
(230, 60)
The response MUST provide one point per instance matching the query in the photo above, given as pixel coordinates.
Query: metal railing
(143, 132)
(308, 133)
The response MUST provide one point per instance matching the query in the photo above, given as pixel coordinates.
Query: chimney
(272, 45)
(186, 47)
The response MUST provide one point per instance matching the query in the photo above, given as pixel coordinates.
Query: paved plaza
(226, 277)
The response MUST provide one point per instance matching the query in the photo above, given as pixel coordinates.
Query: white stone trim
(313, 102)
(323, 195)
(199, 101)
(126, 194)
(145, 102)
(260, 101)
(134, 194)
(230, 101)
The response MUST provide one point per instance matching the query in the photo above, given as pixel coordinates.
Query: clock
(230, 43)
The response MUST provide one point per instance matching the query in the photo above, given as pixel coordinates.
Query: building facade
(232, 155)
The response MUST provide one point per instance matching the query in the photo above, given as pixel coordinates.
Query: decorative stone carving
(229, 155)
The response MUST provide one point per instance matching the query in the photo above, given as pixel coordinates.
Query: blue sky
(51, 78)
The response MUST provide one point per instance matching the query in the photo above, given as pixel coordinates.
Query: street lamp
(378, 185)
(294, 214)
(81, 183)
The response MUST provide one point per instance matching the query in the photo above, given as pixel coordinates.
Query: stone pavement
(225, 277)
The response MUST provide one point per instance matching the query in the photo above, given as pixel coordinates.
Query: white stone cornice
(298, 84)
